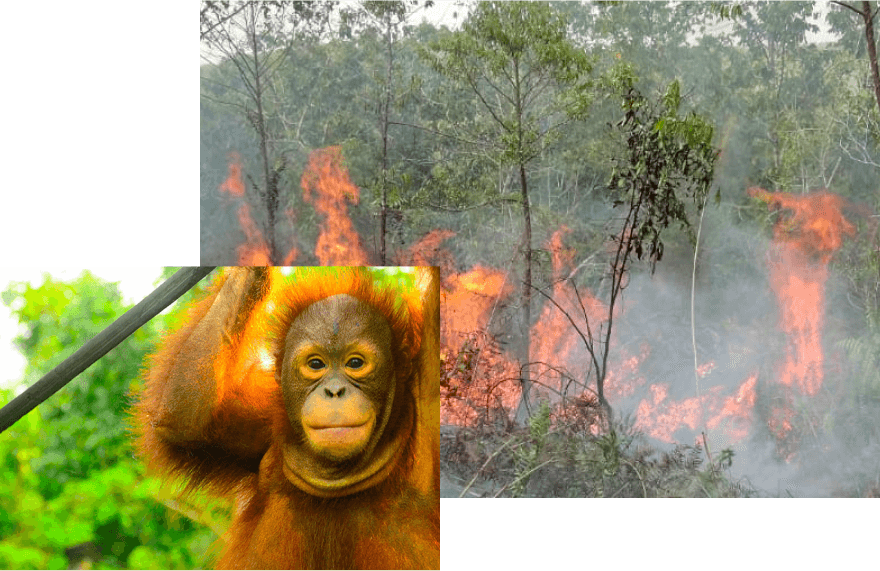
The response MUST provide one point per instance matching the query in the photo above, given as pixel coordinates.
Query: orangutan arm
(195, 408)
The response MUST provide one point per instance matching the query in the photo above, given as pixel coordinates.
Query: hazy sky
(451, 13)
(443, 13)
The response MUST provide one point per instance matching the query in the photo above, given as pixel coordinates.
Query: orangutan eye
(355, 363)
(316, 364)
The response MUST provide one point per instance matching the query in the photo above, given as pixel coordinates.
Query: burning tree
(511, 55)
(664, 159)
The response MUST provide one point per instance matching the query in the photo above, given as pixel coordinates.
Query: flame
(427, 252)
(803, 243)
(479, 377)
(625, 378)
(233, 183)
(816, 226)
(554, 341)
(255, 250)
(479, 380)
(660, 417)
(469, 300)
(802, 247)
(326, 184)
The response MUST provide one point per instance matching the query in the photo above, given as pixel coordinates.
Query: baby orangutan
(314, 401)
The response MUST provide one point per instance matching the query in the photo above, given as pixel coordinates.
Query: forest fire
(803, 244)
(552, 338)
(482, 378)
(255, 250)
(798, 262)
(326, 184)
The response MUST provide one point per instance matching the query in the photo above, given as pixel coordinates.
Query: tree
(71, 479)
(868, 14)
(213, 13)
(255, 37)
(389, 18)
(663, 160)
(530, 79)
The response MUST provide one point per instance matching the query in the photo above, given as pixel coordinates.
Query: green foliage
(865, 353)
(527, 454)
(539, 423)
(87, 417)
(665, 158)
(859, 263)
(725, 460)
(69, 472)
(611, 447)
(510, 54)
(727, 10)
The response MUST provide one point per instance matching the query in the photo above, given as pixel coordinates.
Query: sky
(135, 283)
(449, 13)
(452, 12)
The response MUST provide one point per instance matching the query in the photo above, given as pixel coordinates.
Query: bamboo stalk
(98, 346)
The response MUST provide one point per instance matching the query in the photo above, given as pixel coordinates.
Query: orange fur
(212, 413)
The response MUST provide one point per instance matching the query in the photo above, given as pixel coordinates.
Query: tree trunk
(264, 148)
(525, 352)
(868, 18)
(872, 48)
(386, 104)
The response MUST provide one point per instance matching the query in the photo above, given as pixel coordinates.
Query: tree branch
(845, 5)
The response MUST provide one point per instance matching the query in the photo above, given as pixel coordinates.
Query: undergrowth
(554, 457)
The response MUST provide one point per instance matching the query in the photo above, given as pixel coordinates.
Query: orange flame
(553, 340)
(479, 374)
(469, 300)
(427, 251)
(233, 183)
(478, 378)
(661, 417)
(255, 250)
(802, 247)
(326, 184)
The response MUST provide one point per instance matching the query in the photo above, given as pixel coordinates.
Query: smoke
(738, 325)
